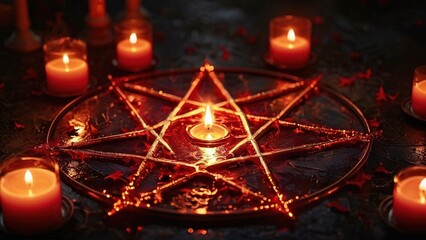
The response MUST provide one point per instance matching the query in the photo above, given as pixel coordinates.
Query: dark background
(349, 38)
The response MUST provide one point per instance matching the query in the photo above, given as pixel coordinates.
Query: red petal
(318, 20)
(190, 50)
(337, 37)
(115, 175)
(338, 206)
(159, 35)
(29, 74)
(356, 56)
(381, 95)
(225, 53)
(241, 32)
(19, 125)
(374, 122)
(252, 39)
(1, 85)
(382, 169)
(346, 81)
(36, 93)
(393, 97)
(365, 75)
(360, 179)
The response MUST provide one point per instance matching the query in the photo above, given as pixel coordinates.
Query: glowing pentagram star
(163, 152)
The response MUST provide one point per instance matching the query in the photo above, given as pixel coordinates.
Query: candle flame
(133, 38)
(422, 187)
(28, 178)
(65, 59)
(291, 36)
(208, 118)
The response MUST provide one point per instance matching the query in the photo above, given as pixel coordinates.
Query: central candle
(208, 133)
(134, 53)
(30, 200)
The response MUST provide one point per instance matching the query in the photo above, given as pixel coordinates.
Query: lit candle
(208, 132)
(418, 98)
(134, 53)
(409, 202)
(289, 50)
(67, 76)
(30, 200)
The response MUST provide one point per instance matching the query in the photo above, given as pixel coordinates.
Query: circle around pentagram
(93, 142)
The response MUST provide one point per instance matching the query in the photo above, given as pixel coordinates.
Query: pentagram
(156, 165)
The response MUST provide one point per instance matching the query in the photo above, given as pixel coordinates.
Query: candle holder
(415, 106)
(406, 210)
(67, 71)
(134, 48)
(213, 136)
(289, 43)
(31, 197)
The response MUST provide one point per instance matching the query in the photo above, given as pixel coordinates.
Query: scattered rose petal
(190, 50)
(365, 75)
(374, 122)
(298, 131)
(115, 175)
(393, 97)
(94, 130)
(338, 206)
(418, 23)
(36, 92)
(360, 179)
(356, 56)
(382, 3)
(1, 86)
(381, 169)
(266, 147)
(29, 74)
(241, 31)
(225, 53)
(346, 81)
(159, 35)
(318, 20)
(381, 95)
(252, 39)
(19, 125)
(337, 37)
(315, 41)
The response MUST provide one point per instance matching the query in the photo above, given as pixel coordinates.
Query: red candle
(418, 98)
(289, 50)
(134, 53)
(97, 8)
(30, 200)
(67, 76)
(409, 203)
